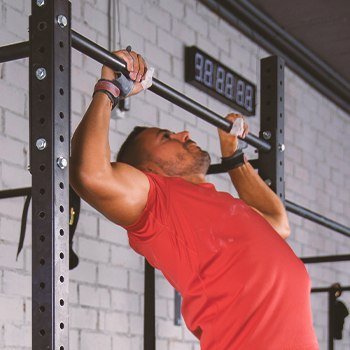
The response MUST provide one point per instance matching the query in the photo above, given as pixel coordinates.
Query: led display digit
(209, 75)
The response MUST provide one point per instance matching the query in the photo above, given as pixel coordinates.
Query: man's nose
(183, 136)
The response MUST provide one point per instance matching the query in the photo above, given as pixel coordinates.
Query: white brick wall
(106, 289)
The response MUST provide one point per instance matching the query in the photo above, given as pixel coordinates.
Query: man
(242, 286)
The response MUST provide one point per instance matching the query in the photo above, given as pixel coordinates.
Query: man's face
(175, 154)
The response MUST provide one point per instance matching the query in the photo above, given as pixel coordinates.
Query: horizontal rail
(17, 192)
(319, 219)
(328, 258)
(328, 289)
(14, 51)
(105, 57)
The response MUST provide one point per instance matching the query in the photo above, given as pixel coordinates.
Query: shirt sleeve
(154, 217)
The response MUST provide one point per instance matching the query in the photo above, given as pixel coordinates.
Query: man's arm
(251, 188)
(117, 190)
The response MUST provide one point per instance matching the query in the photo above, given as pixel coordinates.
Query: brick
(17, 74)
(170, 43)
(195, 21)
(129, 37)
(12, 309)
(87, 225)
(148, 111)
(112, 276)
(167, 329)
(136, 325)
(170, 123)
(8, 227)
(175, 8)
(8, 255)
(73, 293)
(93, 249)
(17, 23)
(163, 288)
(125, 301)
(95, 18)
(15, 283)
(161, 307)
(115, 322)
(74, 339)
(15, 177)
(157, 57)
(160, 17)
(17, 335)
(83, 318)
(93, 341)
(122, 342)
(17, 127)
(136, 281)
(84, 272)
(13, 151)
(174, 345)
(142, 26)
(125, 257)
(110, 232)
(94, 297)
(183, 31)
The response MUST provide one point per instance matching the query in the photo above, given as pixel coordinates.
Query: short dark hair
(130, 151)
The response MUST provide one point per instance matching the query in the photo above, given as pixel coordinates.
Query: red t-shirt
(242, 285)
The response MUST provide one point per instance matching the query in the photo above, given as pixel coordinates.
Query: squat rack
(49, 52)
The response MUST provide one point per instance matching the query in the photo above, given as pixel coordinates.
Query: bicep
(120, 194)
(279, 222)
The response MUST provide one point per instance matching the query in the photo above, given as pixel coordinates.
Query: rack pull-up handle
(105, 57)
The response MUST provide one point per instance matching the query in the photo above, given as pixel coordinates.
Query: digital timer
(207, 74)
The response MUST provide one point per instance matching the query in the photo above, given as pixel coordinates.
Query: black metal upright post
(49, 90)
(331, 310)
(149, 321)
(271, 164)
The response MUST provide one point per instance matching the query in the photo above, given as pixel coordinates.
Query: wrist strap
(236, 160)
(115, 89)
(109, 88)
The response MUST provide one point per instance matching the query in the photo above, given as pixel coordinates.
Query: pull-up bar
(103, 56)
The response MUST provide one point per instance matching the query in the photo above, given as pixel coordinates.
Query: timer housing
(219, 81)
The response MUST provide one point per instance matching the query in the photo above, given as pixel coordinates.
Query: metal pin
(128, 48)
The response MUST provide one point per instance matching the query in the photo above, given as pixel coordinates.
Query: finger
(127, 58)
(245, 130)
(142, 70)
(136, 65)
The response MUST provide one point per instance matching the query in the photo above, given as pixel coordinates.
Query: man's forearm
(255, 193)
(90, 146)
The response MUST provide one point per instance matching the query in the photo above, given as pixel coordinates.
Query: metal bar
(177, 308)
(329, 258)
(327, 289)
(14, 51)
(149, 325)
(271, 164)
(319, 219)
(331, 316)
(49, 96)
(327, 83)
(16, 192)
(103, 56)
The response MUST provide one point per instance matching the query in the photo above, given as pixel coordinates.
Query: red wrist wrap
(107, 86)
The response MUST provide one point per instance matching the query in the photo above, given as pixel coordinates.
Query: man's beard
(199, 164)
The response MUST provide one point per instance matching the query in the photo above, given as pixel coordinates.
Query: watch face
(219, 81)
